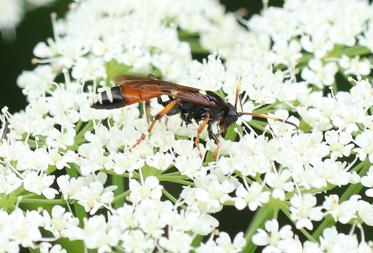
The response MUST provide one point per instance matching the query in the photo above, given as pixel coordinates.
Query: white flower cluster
(12, 12)
(161, 195)
(275, 239)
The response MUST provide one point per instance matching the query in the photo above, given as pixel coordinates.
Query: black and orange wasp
(203, 107)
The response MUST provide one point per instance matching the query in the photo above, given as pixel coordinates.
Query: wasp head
(230, 117)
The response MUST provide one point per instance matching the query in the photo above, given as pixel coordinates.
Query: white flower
(210, 74)
(160, 160)
(208, 247)
(59, 221)
(94, 195)
(125, 218)
(201, 224)
(176, 242)
(280, 183)
(48, 248)
(37, 160)
(11, 14)
(365, 212)
(343, 212)
(355, 65)
(9, 181)
(284, 61)
(339, 143)
(272, 237)
(318, 74)
(60, 139)
(69, 186)
(24, 227)
(365, 145)
(253, 197)
(96, 234)
(209, 193)
(333, 172)
(333, 241)
(227, 246)
(190, 166)
(136, 241)
(37, 82)
(303, 210)
(150, 189)
(367, 181)
(39, 184)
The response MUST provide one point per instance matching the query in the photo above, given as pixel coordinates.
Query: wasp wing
(152, 84)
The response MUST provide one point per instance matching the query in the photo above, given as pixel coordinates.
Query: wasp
(203, 107)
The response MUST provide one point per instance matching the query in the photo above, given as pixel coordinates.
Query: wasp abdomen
(110, 99)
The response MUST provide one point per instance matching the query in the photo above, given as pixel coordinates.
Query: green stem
(42, 201)
(179, 179)
(285, 210)
(261, 216)
(338, 51)
(121, 196)
(354, 51)
(176, 173)
(257, 124)
(195, 46)
(267, 108)
(197, 240)
(87, 127)
(229, 203)
(169, 196)
(119, 182)
(78, 125)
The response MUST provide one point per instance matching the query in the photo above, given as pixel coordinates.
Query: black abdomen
(110, 99)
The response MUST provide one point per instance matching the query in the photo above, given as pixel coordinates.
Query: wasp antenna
(266, 116)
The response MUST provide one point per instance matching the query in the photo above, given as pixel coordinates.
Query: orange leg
(158, 116)
(215, 155)
(147, 111)
(213, 136)
(199, 131)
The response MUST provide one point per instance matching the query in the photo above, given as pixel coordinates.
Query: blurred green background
(36, 26)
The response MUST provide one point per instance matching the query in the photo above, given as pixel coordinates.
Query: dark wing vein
(185, 93)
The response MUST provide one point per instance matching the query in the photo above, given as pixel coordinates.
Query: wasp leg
(199, 131)
(158, 116)
(147, 111)
(174, 110)
(5, 130)
(213, 136)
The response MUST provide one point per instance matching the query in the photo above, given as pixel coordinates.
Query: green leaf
(304, 126)
(231, 133)
(114, 68)
(150, 171)
(197, 240)
(119, 182)
(71, 246)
